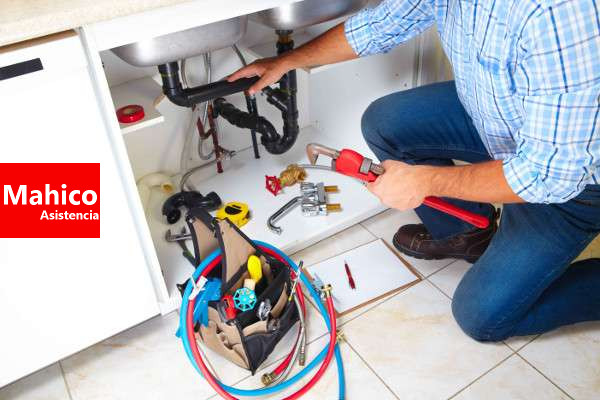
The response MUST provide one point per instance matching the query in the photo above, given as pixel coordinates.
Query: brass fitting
(340, 337)
(331, 189)
(291, 175)
(267, 379)
(333, 207)
(302, 358)
(326, 290)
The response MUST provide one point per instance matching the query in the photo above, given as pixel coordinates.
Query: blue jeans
(524, 283)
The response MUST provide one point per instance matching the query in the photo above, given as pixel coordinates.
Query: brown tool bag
(245, 340)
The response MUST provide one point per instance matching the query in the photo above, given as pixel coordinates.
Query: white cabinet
(58, 296)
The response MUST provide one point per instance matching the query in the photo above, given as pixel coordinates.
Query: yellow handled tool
(254, 268)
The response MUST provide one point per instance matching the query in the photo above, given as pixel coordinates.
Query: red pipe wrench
(349, 162)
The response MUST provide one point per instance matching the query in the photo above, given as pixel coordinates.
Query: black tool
(181, 242)
(189, 199)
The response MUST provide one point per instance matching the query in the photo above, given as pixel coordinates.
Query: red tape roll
(130, 113)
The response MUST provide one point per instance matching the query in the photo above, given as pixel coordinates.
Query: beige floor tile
(344, 319)
(385, 225)
(46, 384)
(518, 342)
(447, 281)
(414, 345)
(514, 379)
(448, 278)
(570, 357)
(146, 360)
(361, 382)
(332, 246)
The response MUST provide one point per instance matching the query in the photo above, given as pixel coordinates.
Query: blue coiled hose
(276, 388)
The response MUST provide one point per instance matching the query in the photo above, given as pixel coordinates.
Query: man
(524, 112)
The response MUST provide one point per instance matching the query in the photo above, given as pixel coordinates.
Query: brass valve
(292, 175)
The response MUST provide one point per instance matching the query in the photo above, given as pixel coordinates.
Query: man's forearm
(483, 182)
(329, 48)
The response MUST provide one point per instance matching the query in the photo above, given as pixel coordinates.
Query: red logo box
(43, 200)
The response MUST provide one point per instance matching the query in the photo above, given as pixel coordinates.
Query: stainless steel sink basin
(181, 45)
(306, 13)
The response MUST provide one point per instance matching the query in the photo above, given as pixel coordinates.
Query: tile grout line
(444, 293)
(373, 238)
(62, 372)
(438, 288)
(544, 375)
(526, 344)
(513, 352)
(384, 300)
(484, 374)
(336, 254)
(372, 370)
(399, 252)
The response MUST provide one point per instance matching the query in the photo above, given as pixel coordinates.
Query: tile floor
(425, 355)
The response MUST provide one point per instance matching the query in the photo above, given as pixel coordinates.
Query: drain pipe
(250, 103)
(288, 88)
(245, 120)
(283, 98)
(188, 97)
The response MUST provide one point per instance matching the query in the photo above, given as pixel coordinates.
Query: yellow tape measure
(236, 212)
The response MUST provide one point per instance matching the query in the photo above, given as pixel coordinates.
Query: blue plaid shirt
(526, 71)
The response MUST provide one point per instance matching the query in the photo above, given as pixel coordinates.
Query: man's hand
(405, 186)
(401, 186)
(328, 48)
(270, 71)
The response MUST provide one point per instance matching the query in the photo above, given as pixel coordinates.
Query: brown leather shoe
(414, 240)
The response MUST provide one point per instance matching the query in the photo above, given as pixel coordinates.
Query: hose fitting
(267, 379)
(326, 290)
(302, 355)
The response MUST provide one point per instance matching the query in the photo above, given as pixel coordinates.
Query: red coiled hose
(211, 379)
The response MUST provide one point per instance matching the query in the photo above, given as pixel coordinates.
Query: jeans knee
(370, 122)
(478, 320)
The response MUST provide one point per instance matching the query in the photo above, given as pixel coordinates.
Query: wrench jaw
(313, 150)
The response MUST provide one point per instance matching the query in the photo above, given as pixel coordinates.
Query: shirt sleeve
(392, 22)
(558, 77)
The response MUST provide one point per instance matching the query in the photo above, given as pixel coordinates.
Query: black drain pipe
(188, 97)
(283, 98)
(288, 88)
(245, 120)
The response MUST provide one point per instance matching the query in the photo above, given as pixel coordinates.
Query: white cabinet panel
(58, 296)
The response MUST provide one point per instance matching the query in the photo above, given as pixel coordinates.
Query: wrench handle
(441, 205)
(474, 219)
(349, 162)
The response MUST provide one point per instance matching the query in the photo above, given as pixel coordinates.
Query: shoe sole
(425, 256)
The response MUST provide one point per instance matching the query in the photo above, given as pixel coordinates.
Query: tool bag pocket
(245, 337)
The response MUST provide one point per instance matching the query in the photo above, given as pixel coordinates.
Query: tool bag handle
(210, 233)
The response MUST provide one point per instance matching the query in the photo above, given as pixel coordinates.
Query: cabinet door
(58, 296)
